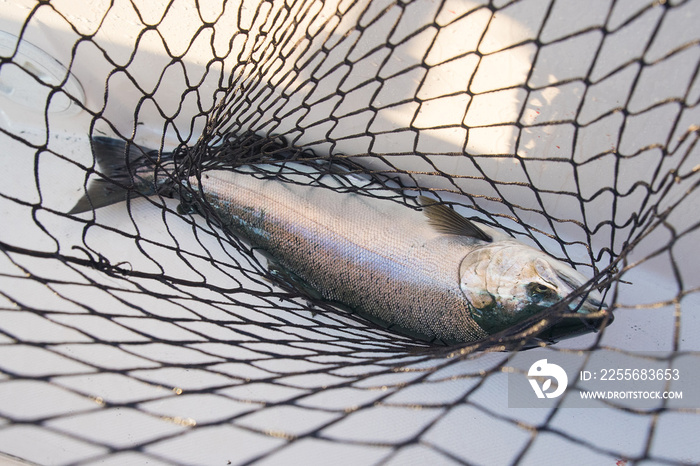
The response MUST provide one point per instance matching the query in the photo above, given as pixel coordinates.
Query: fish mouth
(591, 316)
(588, 314)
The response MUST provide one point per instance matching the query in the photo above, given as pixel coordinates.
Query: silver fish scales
(374, 256)
(431, 273)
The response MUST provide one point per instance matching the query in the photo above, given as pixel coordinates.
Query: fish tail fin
(122, 168)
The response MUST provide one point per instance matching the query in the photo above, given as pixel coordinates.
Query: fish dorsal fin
(446, 220)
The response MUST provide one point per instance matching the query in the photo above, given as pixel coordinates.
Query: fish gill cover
(139, 332)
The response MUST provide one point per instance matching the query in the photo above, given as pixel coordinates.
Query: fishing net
(141, 333)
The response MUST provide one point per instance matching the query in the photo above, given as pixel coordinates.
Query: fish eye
(539, 288)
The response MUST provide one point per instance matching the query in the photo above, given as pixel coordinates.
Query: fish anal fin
(292, 280)
(448, 221)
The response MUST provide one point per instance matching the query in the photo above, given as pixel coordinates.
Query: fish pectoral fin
(446, 220)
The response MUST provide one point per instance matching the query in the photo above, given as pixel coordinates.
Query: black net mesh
(136, 333)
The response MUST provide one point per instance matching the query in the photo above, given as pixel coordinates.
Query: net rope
(139, 333)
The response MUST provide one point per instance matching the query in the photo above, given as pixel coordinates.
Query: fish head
(506, 282)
